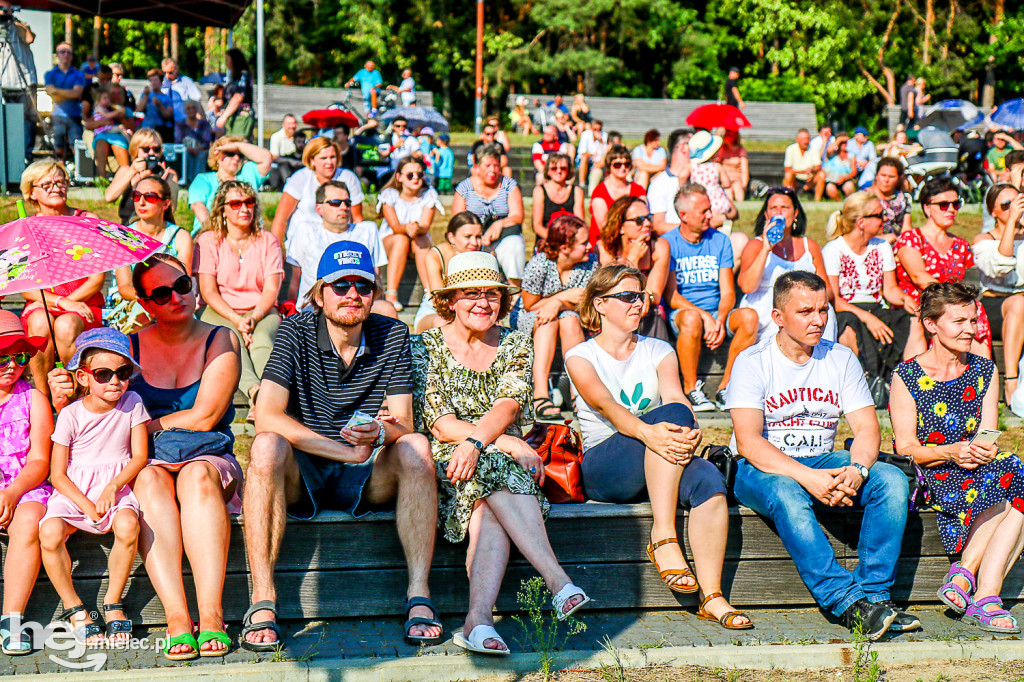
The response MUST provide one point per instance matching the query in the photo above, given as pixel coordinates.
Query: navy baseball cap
(860, 129)
(343, 259)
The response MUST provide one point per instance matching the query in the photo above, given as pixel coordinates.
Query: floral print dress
(950, 412)
(15, 442)
(441, 385)
(945, 267)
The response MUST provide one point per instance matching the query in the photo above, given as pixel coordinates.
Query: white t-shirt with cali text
(801, 403)
(633, 383)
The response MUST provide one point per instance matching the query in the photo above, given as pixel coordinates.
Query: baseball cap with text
(342, 259)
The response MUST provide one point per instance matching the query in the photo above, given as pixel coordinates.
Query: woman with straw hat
(473, 396)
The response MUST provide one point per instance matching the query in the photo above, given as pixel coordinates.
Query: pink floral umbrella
(46, 251)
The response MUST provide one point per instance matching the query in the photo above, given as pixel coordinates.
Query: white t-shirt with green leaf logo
(633, 383)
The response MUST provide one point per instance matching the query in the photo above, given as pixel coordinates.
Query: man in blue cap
(862, 151)
(322, 442)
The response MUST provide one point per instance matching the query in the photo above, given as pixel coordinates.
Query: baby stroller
(939, 156)
(971, 167)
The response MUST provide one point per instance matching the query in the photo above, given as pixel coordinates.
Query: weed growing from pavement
(540, 625)
(866, 667)
(612, 673)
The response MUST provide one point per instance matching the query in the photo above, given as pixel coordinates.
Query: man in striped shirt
(320, 445)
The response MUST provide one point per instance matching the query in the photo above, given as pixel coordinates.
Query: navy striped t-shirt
(323, 391)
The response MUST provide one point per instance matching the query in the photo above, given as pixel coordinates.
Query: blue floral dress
(950, 412)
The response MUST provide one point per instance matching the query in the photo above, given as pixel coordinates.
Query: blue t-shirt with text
(696, 266)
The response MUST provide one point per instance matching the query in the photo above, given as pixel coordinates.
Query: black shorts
(993, 306)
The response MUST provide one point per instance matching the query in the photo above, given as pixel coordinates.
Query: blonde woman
(146, 145)
(322, 160)
(74, 306)
(861, 268)
(240, 274)
(231, 158)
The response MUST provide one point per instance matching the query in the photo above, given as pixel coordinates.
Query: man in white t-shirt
(592, 148)
(785, 413)
(661, 193)
(308, 246)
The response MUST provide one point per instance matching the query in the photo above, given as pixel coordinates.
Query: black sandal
(249, 627)
(117, 627)
(417, 640)
(543, 408)
(86, 630)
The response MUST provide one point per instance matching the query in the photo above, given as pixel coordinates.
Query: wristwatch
(862, 470)
(381, 434)
(476, 444)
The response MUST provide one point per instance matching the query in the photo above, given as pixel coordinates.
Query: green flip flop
(213, 636)
(186, 638)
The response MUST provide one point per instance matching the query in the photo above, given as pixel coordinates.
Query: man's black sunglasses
(363, 288)
(337, 202)
(161, 295)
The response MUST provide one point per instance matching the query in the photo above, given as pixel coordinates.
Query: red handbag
(561, 449)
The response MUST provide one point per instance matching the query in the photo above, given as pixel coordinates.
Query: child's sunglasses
(104, 374)
(20, 359)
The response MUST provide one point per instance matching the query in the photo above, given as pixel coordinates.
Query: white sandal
(477, 637)
(564, 595)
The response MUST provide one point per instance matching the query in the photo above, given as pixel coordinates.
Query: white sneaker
(698, 401)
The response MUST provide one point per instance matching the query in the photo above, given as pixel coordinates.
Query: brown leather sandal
(669, 573)
(728, 619)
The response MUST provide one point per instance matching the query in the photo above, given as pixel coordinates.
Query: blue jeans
(883, 497)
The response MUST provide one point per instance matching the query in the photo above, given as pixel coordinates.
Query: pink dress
(14, 441)
(99, 448)
(706, 174)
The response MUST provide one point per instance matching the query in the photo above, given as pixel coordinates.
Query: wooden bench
(337, 566)
(634, 116)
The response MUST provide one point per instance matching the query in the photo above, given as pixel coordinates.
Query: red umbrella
(710, 116)
(328, 118)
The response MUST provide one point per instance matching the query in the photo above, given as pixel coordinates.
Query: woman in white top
(321, 156)
(761, 262)
(999, 255)
(649, 158)
(465, 233)
(640, 438)
(407, 205)
(861, 268)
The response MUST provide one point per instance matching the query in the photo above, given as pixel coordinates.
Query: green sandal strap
(213, 635)
(186, 638)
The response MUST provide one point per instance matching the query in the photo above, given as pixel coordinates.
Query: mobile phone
(359, 418)
(776, 230)
(986, 437)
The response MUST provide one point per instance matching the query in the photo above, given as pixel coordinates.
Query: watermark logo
(73, 651)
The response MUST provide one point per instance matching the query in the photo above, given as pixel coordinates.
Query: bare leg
(53, 535)
(21, 565)
(41, 362)
(486, 560)
(849, 339)
(544, 338)
(404, 472)
(570, 332)
(121, 154)
(385, 308)
(916, 343)
(744, 324)
(520, 516)
(119, 563)
(101, 152)
(420, 249)
(1001, 551)
(819, 185)
(709, 528)
(206, 535)
(271, 483)
(975, 548)
(663, 489)
(397, 247)
(688, 345)
(1013, 340)
(66, 329)
(160, 545)
(789, 179)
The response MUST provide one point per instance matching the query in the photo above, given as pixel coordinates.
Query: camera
(155, 164)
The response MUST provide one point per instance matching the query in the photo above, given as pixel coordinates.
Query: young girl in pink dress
(26, 423)
(99, 446)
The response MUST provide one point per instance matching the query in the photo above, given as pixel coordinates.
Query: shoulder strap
(440, 254)
(134, 338)
(209, 339)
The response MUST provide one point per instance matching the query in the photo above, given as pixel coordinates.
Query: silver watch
(381, 434)
(862, 470)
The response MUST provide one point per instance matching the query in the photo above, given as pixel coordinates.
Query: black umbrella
(946, 119)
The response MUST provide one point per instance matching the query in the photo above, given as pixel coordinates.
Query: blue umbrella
(417, 116)
(977, 120)
(1009, 114)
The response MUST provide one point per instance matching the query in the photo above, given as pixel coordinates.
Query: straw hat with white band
(703, 146)
(474, 270)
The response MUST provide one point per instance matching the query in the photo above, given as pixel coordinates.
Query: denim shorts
(65, 131)
(329, 485)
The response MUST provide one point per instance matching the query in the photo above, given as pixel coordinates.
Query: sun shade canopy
(220, 13)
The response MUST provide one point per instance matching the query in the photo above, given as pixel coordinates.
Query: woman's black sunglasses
(161, 295)
(628, 297)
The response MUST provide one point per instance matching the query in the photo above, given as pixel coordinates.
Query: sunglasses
(490, 295)
(879, 215)
(155, 149)
(414, 176)
(362, 287)
(63, 51)
(337, 202)
(621, 164)
(236, 204)
(20, 359)
(627, 297)
(559, 169)
(640, 219)
(1005, 205)
(161, 295)
(946, 205)
(229, 155)
(150, 197)
(788, 191)
(104, 374)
